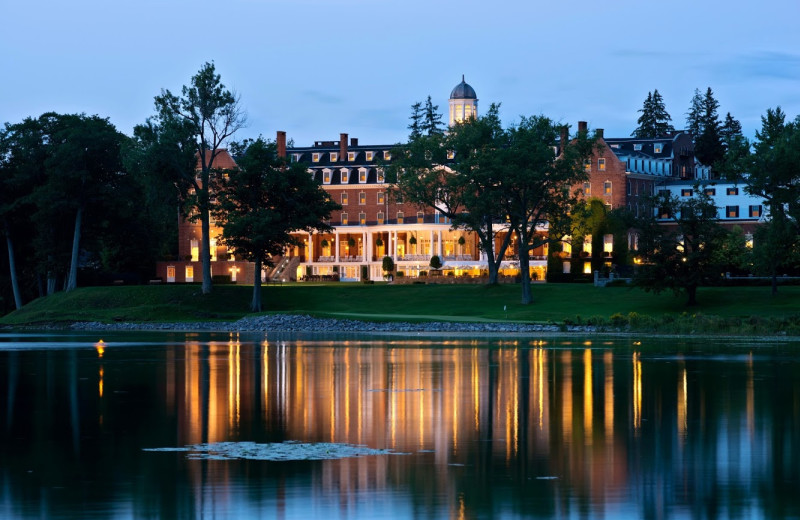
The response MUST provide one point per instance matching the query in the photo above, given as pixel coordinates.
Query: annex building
(371, 225)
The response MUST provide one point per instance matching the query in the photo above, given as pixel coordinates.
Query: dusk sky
(315, 68)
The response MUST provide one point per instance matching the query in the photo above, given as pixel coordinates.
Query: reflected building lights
(637, 392)
(608, 396)
(566, 396)
(683, 404)
(588, 397)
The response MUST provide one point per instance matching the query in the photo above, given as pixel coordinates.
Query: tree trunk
(205, 250)
(525, 271)
(12, 267)
(51, 277)
(72, 279)
(255, 305)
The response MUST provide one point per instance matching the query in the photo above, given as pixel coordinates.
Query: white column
(393, 238)
(439, 245)
(310, 248)
(431, 245)
(336, 247)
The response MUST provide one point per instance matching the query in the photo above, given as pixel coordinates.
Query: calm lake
(514, 427)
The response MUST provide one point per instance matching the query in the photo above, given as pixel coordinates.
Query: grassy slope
(552, 302)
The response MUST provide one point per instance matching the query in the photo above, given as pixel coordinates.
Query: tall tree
(454, 175)
(263, 201)
(731, 128)
(416, 118)
(678, 252)
(708, 146)
(775, 177)
(536, 184)
(432, 120)
(655, 120)
(210, 113)
(695, 114)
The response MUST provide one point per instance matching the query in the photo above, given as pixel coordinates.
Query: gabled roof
(223, 159)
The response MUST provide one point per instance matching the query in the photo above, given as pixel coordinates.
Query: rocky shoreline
(305, 323)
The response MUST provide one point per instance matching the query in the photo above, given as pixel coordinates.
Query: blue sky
(315, 68)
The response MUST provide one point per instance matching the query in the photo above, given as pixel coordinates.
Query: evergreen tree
(416, 121)
(708, 146)
(655, 120)
(731, 129)
(432, 121)
(695, 114)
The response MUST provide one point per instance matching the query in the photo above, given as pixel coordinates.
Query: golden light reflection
(608, 395)
(637, 392)
(683, 404)
(100, 383)
(566, 396)
(100, 346)
(588, 398)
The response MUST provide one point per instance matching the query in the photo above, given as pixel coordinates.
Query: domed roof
(463, 91)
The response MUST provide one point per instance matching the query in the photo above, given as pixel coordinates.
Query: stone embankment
(304, 323)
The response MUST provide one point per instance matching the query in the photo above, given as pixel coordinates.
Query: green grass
(721, 308)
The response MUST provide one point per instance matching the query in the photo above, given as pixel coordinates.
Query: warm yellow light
(100, 347)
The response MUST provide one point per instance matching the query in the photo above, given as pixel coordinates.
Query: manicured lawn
(552, 303)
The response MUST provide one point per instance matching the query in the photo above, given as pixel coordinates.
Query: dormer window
(351, 156)
(296, 157)
(334, 156)
(387, 155)
(326, 176)
(345, 172)
(381, 177)
(316, 156)
(637, 147)
(362, 175)
(658, 147)
(369, 156)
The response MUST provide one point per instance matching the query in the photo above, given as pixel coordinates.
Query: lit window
(362, 198)
(370, 155)
(381, 177)
(608, 244)
(566, 267)
(587, 165)
(748, 241)
(601, 165)
(189, 273)
(451, 154)
(344, 219)
(351, 156)
(170, 274)
(380, 217)
(334, 156)
(566, 245)
(344, 171)
(326, 176)
(315, 157)
(607, 188)
(381, 197)
(732, 211)
(344, 198)
(733, 191)
(587, 189)
(362, 175)
(755, 211)
(387, 155)
(587, 245)
(362, 218)
(686, 192)
(587, 268)
(399, 217)
(420, 217)
(711, 192)
(658, 147)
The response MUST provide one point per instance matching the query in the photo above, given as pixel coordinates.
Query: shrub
(436, 262)
(400, 274)
(221, 279)
(364, 272)
(387, 264)
(618, 320)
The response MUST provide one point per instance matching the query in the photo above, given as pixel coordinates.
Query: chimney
(599, 133)
(281, 140)
(564, 137)
(342, 147)
(581, 126)
(354, 141)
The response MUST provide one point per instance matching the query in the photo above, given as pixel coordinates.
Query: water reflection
(518, 428)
